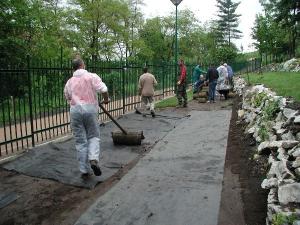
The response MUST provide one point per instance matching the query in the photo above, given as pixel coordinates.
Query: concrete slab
(178, 183)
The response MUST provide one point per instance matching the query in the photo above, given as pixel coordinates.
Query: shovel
(124, 137)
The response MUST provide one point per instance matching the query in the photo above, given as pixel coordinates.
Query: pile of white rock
(276, 130)
(292, 65)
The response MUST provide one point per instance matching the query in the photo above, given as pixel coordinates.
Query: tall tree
(285, 14)
(270, 38)
(228, 21)
(100, 28)
(135, 23)
(157, 37)
(30, 27)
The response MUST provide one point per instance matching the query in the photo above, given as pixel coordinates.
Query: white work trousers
(85, 127)
(148, 102)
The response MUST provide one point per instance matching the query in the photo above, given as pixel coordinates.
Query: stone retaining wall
(274, 123)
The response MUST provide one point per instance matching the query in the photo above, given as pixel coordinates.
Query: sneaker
(95, 167)
(152, 114)
(208, 102)
(85, 176)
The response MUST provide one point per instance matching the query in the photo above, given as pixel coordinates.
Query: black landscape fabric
(6, 198)
(57, 160)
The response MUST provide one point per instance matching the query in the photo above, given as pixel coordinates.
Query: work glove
(105, 101)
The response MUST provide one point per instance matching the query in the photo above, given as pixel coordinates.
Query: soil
(243, 201)
(43, 201)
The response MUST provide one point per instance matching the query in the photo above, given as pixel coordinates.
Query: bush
(280, 219)
(258, 99)
(271, 110)
(263, 132)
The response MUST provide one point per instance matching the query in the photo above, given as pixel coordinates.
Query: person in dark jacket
(212, 78)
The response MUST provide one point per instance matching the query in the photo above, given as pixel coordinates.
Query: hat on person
(225, 64)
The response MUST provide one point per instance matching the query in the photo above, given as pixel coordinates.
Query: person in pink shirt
(81, 93)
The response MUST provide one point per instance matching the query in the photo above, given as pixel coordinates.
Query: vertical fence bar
(20, 122)
(35, 102)
(30, 100)
(60, 84)
(15, 120)
(163, 80)
(9, 123)
(64, 102)
(48, 121)
(50, 94)
(123, 89)
(4, 126)
(40, 84)
(25, 121)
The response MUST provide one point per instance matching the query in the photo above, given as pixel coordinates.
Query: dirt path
(243, 201)
(48, 202)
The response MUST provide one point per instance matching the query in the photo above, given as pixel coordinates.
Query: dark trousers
(212, 90)
(181, 94)
(224, 92)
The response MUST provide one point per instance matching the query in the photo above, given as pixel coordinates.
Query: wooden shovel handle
(110, 116)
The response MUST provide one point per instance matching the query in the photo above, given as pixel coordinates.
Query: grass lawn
(283, 83)
(172, 101)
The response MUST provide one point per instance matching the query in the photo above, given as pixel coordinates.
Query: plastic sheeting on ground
(57, 160)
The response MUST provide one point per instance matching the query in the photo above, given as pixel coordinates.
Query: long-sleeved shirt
(147, 82)
(212, 74)
(196, 73)
(229, 71)
(182, 77)
(82, 88)
(223, 71)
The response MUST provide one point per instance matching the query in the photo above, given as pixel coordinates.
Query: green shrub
(258, 99)
(263, 132)
(280, 219)
(270, 110)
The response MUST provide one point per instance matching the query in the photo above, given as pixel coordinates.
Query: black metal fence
(33, 109)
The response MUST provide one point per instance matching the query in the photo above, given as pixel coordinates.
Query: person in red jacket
(181, 85)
